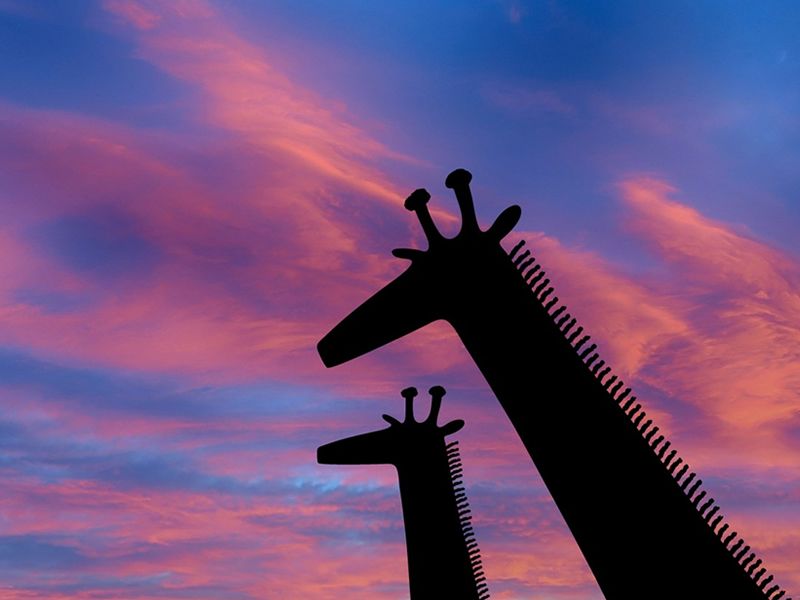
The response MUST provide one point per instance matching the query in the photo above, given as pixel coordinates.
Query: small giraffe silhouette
(443, 557)
(635, 510)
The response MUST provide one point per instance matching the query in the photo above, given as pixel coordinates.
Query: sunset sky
(193, 193)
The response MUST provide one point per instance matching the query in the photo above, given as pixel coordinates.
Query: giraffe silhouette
(443, 556)
(635, 510)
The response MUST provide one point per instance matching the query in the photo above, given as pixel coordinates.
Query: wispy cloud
(161, 295)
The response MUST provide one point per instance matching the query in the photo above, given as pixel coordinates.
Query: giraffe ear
(451, 427)
(504, 223)
(391, 420)
(407, 253)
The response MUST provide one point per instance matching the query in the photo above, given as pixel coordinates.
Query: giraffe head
(400, 443)
(451, 273)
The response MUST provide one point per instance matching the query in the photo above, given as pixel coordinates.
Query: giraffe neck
(443, 559)
(611, 477)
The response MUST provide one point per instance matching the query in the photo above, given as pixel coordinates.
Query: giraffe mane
(536, 279)
(465, 518)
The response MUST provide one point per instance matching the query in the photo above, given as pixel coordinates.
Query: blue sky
(194, 192)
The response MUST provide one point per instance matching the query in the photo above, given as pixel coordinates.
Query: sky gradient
(193, 193)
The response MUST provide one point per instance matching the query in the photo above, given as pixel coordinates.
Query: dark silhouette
(443, 557)
(642, 524)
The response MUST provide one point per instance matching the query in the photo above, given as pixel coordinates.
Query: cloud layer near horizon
(163, 290)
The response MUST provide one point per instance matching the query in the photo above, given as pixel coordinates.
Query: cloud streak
(161, 294)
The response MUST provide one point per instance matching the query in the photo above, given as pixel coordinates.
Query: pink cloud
(230, 545)
(741, 354)
(175, 319)
(286, 225)
(133, 12)
(229, 300)
(175, 316)
(245, 94)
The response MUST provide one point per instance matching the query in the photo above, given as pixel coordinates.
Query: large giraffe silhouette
(638, 515)
(443, 557)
